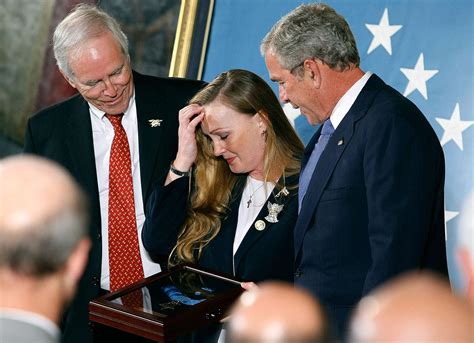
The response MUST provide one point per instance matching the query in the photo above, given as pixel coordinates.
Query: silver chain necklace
(249, 202)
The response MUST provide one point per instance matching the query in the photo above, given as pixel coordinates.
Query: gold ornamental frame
(191, 38)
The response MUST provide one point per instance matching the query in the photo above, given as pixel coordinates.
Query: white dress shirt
(258, 192)
(345, 103)
(103, 134)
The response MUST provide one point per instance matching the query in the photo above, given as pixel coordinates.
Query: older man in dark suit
(116, 137)
(372, 184)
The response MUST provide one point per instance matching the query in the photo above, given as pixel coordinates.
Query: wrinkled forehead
(213, 116)
(221, 116)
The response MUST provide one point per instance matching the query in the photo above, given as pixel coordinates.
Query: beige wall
(23, 39)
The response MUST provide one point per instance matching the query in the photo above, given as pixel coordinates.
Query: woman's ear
(262, 120)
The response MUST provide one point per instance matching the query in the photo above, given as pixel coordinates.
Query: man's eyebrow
(90, 82)
(117, 69)
(274, 78)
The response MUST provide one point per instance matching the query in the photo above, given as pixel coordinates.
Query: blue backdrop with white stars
(423, 48)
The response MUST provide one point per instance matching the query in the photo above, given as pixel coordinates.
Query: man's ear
(75, 266)
(312, 69)
(73, 85)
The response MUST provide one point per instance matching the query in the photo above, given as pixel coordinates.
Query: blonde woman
(243, 156)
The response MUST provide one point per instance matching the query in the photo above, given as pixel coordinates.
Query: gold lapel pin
(260, 225)
(155, 122)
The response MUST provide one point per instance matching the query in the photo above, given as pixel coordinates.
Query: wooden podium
(175, 303)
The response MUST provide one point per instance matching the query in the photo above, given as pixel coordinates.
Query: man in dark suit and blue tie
(372, 185)
(116, 137)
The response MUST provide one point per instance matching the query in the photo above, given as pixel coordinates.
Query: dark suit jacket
(63, 133)
(375, 204)
(262, 255)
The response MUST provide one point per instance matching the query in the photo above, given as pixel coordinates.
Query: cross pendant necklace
(249, 202)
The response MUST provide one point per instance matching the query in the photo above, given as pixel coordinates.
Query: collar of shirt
(100, 114)
(345, 103)
(31, 318)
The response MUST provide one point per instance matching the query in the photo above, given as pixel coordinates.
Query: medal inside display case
(171, 304)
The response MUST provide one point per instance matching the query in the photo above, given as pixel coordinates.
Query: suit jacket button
(297, 273)
(95, 281)
(99, 236)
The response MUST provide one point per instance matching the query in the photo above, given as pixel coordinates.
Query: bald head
(33, 190)
(277, 312)
(42, 214)
(413, 308)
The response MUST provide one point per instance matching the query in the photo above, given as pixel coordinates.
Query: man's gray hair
(83, 23)
(312, 31)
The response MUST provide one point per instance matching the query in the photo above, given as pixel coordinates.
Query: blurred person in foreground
(413, 308)
(116, 137)
(238, 215)
(43, 247)
(465, 246)
(371, 189)
(277, 312)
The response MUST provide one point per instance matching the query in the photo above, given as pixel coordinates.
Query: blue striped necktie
(307, 173)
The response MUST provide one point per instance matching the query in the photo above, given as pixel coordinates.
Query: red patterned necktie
(124, 253)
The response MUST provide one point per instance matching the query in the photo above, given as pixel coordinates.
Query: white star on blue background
(382, 33)
(454, 127)
(417, 77)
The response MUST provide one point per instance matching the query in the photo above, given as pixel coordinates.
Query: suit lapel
(81, 148)
(148, 141)
(332, 153)
(253, 235)
(225, 240)
(320, 177)
(149, 136)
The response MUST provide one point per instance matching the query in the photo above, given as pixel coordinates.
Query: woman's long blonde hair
(247, 93)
